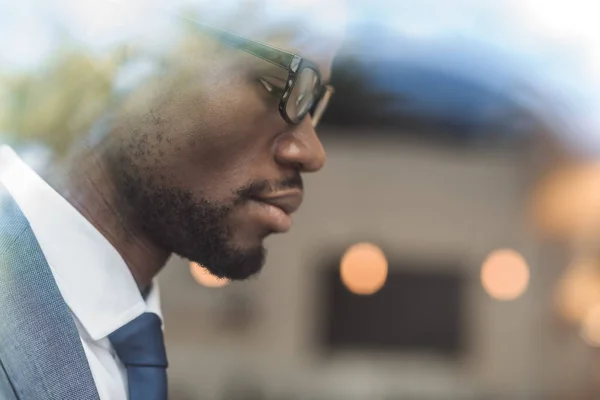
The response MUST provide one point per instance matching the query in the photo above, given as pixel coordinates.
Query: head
(207, 165)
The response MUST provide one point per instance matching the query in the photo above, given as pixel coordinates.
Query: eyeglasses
(304, 93)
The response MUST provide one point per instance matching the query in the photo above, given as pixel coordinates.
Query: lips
(275, 211)
(288, 202)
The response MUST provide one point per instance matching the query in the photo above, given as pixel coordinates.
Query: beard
(193, 228)
(190, 225)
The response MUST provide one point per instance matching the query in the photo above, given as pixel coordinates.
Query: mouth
(288, 202)
(276, 210)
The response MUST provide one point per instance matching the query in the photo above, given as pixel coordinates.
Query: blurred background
(449, 249)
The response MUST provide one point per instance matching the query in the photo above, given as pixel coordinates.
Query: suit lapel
(40, 347)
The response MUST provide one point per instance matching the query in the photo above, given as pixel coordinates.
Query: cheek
(215, 142)
(234, 139)
(211, 165)
(218, 171)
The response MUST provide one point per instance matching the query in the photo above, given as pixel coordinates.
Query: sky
(552, 45)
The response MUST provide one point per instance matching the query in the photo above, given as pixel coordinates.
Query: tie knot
(140, 342)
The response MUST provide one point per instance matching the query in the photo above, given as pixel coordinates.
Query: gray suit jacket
(41, 356)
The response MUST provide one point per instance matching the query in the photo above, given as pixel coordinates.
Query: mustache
(262, 188)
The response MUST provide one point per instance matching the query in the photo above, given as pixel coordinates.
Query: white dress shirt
(91, 275)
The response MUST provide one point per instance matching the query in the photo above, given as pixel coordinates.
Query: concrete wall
(420, 203)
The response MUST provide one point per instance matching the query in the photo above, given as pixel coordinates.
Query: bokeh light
(567, 202)
(203, 277)
(505, 274)
(364, 268)
(579, 289)
(590, 329)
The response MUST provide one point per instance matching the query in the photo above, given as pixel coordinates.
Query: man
(204, 161)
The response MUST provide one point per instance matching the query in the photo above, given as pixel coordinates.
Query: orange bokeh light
(203, 277)
(566, 203)
(505, 274)
(579, 289)
(364, 269)
(590, 330)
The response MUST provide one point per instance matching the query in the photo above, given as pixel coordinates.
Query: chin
(237, 263)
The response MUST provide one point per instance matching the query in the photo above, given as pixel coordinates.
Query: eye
(273, 85)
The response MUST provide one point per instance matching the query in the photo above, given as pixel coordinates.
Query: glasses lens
(303, 95)
(321, 105)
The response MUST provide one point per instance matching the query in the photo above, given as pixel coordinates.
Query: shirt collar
(91, 275)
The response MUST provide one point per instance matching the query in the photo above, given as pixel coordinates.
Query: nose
(301, 148)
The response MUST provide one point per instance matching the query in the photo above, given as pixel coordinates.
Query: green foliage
(59, 101)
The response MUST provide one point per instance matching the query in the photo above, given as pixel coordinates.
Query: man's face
(212, 169)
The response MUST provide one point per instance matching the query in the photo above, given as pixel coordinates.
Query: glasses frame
(293, 63)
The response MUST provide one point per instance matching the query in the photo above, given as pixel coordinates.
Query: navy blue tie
(140, 346)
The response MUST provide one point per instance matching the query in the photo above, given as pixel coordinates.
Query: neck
(86, 184)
